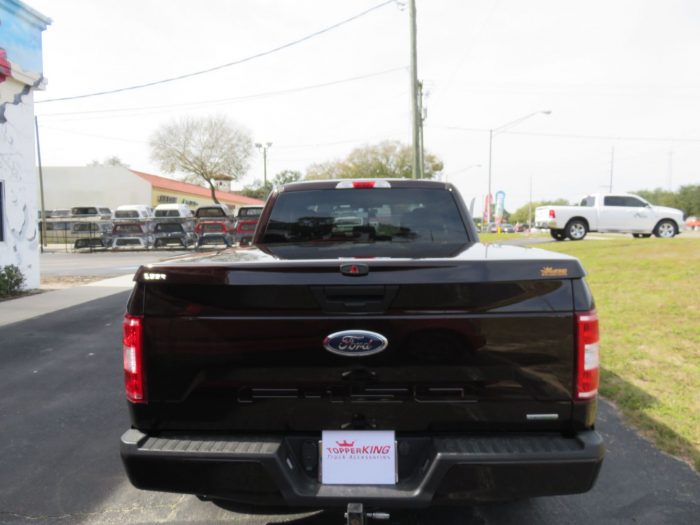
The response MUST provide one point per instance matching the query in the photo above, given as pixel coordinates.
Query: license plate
(358, 457)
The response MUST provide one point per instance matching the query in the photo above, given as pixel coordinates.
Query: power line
(92, 135)
(574, 136)
(228, 64)
(228, 99)
(385, 136)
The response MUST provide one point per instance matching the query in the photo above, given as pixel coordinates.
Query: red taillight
(587, 355)
(552, 214)
(132, 347)
(363, 184)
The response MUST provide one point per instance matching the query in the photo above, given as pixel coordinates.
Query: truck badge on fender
(548, 271)
(355, 343)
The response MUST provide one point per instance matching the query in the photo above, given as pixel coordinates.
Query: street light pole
(612, 167)
(264, 148)
(488, 195)
(493, 131)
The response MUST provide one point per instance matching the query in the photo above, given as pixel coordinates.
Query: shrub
(11, 280)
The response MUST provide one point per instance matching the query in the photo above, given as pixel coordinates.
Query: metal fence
(96, 233)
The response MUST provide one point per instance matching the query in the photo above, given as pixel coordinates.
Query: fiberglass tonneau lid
(468, 263)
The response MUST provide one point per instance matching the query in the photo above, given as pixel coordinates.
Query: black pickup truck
(366, 350)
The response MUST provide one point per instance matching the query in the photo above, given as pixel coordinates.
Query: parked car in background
(246, 222)
(620, 213)
(91, 233)
(505, 228)
(130, 234)
(172, 210)
(215, 211)
(167, 233)
(133, 211)
(102, 212)
(213, 231)
(57, 213)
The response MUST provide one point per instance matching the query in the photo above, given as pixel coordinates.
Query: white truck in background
(618, 213)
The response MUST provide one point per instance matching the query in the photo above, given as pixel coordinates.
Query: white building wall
(111, 186)
(20, 246)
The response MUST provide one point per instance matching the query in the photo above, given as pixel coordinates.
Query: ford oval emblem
(355, 343)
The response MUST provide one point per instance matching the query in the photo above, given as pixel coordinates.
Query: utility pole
(41, 185)
(612, 167)
(415, 115)
(264, 148)
(421, 113)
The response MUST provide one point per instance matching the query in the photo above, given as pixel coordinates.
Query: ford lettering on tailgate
(355, 343)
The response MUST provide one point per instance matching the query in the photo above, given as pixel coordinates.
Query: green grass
(647, 294)
(504, 237)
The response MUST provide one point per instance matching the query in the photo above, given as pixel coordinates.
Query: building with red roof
(164, 190)
(113, 186)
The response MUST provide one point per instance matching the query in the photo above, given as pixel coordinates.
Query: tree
(659, 197)
(522, 214)
(261, 191)
(386, 159)
(207, 149)
(687, 198)
(286, 177)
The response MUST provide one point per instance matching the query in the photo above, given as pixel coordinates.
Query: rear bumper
(181, 239)
(90, 242)
(269, 470)
(214, 238)
(244, 238)
(130, 242)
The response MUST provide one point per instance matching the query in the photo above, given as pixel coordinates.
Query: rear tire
(557, 235)
(576, 230)
(666, 229)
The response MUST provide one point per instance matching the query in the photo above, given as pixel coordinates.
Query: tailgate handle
(354, 298)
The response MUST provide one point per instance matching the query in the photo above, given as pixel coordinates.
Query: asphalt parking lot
(62, 411)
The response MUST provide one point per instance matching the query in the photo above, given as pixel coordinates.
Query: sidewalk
(24, 308)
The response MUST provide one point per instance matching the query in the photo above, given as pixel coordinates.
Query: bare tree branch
(205, 149)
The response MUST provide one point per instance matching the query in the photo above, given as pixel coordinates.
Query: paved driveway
(62, 412)
(102, 263)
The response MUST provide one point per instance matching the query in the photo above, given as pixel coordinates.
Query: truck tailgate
(236, 354)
